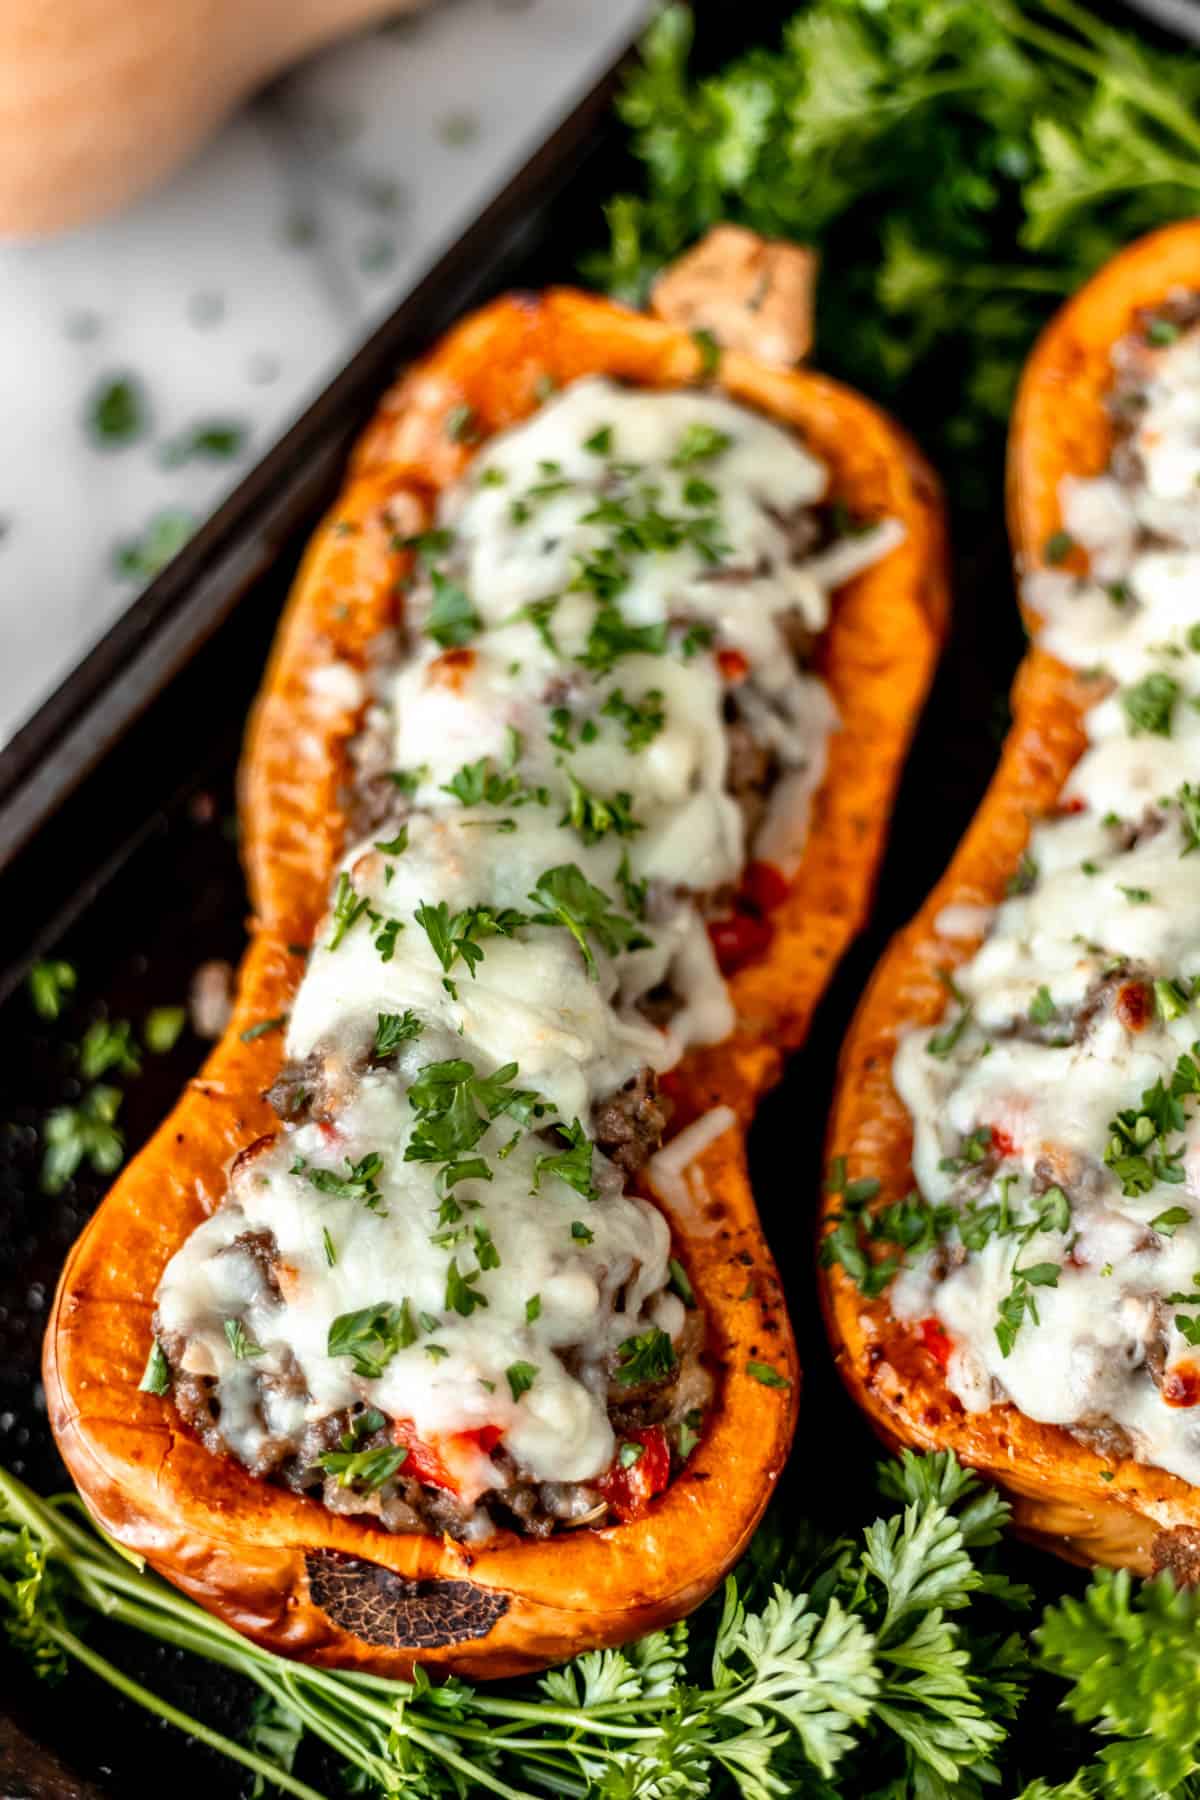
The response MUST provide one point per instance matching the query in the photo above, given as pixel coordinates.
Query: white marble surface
(234, 294)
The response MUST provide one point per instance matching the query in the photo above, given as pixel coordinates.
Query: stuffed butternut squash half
(436, 1323)
(1013, 1246)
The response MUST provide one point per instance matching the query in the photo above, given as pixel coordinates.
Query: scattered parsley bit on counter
(140, 559)
(214, 440)
(116, 412)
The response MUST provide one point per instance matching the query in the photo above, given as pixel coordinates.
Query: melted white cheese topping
(1112, 907)
(507, 729)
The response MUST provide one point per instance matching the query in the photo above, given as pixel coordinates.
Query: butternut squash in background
(1076, 1501)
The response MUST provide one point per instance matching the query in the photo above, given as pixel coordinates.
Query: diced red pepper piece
(629, 1491)
(765, 886)
(936, 1340)
(738, 939)
(1002, 1144)
(733, 665)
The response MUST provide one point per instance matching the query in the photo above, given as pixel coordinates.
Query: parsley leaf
(372, 1336)
(451, 620)
(1149, 703)
(566, 897)
(573, 1164)
(647, 1358)
(394, 1029)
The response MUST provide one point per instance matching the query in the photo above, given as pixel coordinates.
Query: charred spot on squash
(1178, 1551)
(388, 1609)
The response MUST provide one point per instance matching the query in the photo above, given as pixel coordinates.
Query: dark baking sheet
(133, 877)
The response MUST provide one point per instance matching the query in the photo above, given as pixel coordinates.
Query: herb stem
(194, 1728)
(1100, 66)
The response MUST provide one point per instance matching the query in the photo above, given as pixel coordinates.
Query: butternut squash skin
(1142, 1518)
(261, 1557)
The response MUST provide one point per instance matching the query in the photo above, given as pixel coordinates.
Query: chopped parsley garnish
(1023, 879)
(539, 614)
(1137, 1152)
(455, 937)
(593, 816)
(1041, 1007)
(710, 353)
(564, 896)
(462, 426)
(611, 638)
(156, 1376)
(50, 984)
(642, 720)
(533, 1308)
(482, 784)
(1020, 1302)
(360, 1182)
(941, 1043)
(679, 1283)
(452, 620)
(1136, 896)
(408, 780)
(572, 1164)
(1171, 999)
(650, 1357)
(767, 1375)
(348, 908)
(454, 1107)
(356, 1467)
(372, 1336)
(521, 1377)
(1167, 1223)
(330, 1249)
(689, 1432)
(600, 442)
(1149, 704)
(394, 846)
(461, 1296)
(1188, 798)
(700, 443)
(486, 1253)
(394, 1029)
(263, 1027)
(581, 1233)
(1161, 331)
(629, 1454)
(634, 892)
(1058, 547)
(241, 1345)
